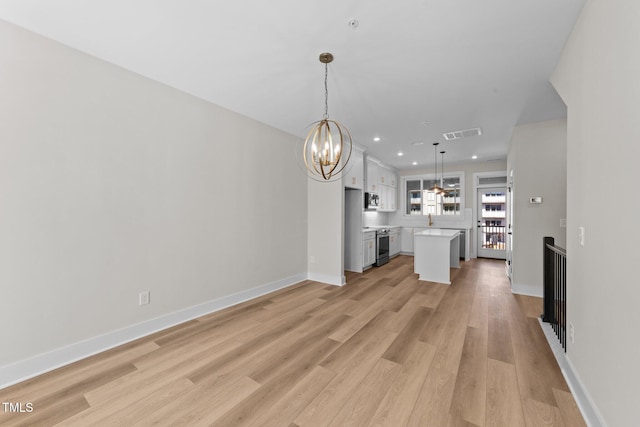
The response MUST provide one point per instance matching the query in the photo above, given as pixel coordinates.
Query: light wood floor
(385, 349)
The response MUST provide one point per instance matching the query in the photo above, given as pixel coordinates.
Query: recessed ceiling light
(414, 163)
(376, 139)
(474, 157)
(416, 143)
(400, 154)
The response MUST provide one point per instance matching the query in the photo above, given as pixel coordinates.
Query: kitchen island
(435, 252)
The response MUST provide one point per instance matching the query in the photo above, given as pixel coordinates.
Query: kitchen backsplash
(373, 218)
(462, 221)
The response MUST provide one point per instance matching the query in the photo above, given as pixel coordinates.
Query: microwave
(371, 201)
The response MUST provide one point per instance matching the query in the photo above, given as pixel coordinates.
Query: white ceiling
(455, 64)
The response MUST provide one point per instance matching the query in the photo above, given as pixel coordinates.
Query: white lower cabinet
(394, 242)
(368, 249)
(406, 241)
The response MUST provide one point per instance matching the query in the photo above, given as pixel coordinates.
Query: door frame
(492, 253)
(510, 206)
(476, 185)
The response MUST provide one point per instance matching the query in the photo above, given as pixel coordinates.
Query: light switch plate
(581, 235)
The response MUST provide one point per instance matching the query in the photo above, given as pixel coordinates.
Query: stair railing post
(548, 262)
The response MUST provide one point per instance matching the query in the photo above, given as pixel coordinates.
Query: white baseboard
(29, 368)
(589, 411)
(329, 280)
(529, 290)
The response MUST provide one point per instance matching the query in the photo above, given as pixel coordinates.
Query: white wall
(538, 158)
(325, 236)
(111, 184)
(598, 78)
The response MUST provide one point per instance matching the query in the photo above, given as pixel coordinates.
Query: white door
(491, 236)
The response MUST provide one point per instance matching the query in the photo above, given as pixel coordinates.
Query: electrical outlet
(143, 298)
(572, 333)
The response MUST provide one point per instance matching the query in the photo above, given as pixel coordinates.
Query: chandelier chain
(326, 92)
(328, 145)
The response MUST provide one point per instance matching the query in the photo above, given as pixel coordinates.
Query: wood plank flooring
(384, 350)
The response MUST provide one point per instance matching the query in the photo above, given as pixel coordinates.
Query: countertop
(378, 227)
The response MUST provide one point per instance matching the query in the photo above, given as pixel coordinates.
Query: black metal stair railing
(555, 289)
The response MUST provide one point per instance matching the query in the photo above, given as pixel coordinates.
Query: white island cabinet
(435, 252)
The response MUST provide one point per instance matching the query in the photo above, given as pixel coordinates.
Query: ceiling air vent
(459, 134)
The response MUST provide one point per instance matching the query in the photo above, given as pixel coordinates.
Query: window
(419, 200)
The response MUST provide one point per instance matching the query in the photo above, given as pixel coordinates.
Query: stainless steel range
(382, 246)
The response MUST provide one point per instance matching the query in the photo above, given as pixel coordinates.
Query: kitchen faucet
(430, 222)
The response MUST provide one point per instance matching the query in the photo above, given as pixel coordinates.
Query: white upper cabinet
(373, 177)
(383, 176)
(383, 181)
(388, 196)
(354, 178)
(387, 177)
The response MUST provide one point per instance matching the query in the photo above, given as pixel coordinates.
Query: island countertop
(438, 232)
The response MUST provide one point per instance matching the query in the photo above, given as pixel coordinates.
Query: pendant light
(435, 188)
(443, 191)
(327, 148)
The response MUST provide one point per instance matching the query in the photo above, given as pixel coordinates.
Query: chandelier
(327, 148)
